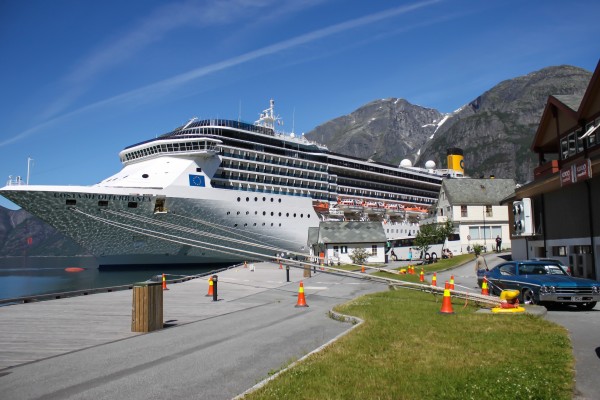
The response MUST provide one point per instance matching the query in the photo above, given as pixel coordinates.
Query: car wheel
(586, 306)
(528, 297)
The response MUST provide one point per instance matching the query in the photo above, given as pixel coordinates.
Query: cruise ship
(223, 191)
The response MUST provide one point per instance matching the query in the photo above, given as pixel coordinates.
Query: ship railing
(16, 181)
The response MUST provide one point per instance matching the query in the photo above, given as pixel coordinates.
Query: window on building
(559, 251)
(572, 142)
(580, 141)
(489, 211)
(564, 148)
(474, 232)
(373, 249)
(463, 211)
(344, 249)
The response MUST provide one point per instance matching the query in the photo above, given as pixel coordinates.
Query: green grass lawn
(406, 349)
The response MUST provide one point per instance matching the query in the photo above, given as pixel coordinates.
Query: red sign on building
(576, 172)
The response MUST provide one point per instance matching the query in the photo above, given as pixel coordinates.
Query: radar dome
(406, 163)
(430, 164)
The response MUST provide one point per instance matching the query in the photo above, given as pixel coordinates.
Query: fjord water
(30, 276)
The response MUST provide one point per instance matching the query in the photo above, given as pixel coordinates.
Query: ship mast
(268, 118)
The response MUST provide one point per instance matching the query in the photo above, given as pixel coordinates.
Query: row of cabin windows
(267, 180)
(575, 143)
(274, 190)
(383, 195)
(274, 160)
(266, 169)
(245, 225)
(264, 213)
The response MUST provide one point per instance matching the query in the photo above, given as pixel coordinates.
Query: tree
(433, 233)
(359, 255)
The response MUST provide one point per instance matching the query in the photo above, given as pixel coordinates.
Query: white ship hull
(210, 229)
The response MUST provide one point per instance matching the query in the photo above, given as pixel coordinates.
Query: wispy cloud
(151, 29)
(161, 88)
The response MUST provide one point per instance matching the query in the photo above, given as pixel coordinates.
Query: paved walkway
(82, 347)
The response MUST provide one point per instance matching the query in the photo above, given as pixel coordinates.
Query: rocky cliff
(495, 130)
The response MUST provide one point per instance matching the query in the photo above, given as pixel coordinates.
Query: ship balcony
(265, 160)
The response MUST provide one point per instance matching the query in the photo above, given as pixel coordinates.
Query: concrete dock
(83, 347)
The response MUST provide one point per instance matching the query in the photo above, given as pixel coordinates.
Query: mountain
(495, 130)
(384, 130)
(24, 234)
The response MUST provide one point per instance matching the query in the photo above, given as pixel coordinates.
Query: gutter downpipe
(590, 209)
(542, 197)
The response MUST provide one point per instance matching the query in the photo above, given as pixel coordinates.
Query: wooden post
(147, 307)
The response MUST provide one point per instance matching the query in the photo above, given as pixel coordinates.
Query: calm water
(21, 277)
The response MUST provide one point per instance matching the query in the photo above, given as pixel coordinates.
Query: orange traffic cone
(362, 269)
(447, 303)
(422, 276)
(165, 283)
(280, 266)
(301, 300)
(434, 280)
(210, 287)
(484, 287)
(451, 282)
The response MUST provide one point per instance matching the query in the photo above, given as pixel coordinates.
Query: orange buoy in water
(74, 269)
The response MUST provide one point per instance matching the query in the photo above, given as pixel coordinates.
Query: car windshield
(541, 269)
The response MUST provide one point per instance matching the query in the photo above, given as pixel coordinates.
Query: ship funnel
(455, 160)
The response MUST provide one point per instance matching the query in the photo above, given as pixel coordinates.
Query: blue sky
(81, 80)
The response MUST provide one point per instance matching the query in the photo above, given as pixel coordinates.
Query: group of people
(447, 253)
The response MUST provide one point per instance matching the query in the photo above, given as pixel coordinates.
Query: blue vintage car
(542, 282)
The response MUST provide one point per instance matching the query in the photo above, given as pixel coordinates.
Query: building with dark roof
(337, 240)
(565, 193)
(475, 207)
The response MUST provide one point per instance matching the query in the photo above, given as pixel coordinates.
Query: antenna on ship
(293, 119)
(29, 160)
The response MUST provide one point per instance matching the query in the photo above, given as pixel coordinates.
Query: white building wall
(331, 256)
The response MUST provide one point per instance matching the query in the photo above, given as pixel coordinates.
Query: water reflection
(20, 277)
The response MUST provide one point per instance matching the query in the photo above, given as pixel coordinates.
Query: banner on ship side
(576, 172)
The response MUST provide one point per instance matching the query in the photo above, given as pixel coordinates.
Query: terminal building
(557, 215)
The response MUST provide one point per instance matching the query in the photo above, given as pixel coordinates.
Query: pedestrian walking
(480, 263)
(498, 244)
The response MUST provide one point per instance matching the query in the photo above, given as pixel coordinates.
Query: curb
(355, 321)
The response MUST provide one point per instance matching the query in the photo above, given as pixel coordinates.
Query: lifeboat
(321, 206)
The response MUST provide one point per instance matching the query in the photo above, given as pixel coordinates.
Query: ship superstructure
(219, 190)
